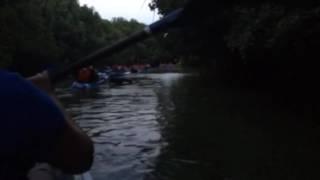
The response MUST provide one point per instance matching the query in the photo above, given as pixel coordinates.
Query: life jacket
(84, 75)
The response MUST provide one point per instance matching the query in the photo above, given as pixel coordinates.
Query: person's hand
(42, 81)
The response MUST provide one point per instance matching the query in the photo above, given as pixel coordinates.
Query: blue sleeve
(30, 122)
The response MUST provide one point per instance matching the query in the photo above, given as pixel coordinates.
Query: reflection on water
(177, 127)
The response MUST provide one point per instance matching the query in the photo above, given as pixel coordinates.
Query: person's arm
(73, 152)
(74, 149)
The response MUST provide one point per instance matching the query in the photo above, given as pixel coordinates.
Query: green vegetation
(36, 34)
(268, 44)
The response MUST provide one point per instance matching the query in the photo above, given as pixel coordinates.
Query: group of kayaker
(134, 68)
(89, 78)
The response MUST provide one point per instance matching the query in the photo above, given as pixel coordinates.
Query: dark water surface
(177, 126)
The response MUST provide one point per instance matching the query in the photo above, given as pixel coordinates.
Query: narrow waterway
(179, 127)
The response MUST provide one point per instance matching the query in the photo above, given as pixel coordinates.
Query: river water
(181, 127)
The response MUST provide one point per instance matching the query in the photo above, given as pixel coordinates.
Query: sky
(129, 9)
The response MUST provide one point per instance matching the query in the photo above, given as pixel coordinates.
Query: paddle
(163, 24)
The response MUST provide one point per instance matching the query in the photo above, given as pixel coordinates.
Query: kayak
(85, 176)
(85, 86)
(46, 171)
(82, 86)
(120, 78)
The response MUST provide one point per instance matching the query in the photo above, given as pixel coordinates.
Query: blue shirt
(30, 123)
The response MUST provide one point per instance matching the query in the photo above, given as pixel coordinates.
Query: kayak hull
(84, 86)
(120, 80)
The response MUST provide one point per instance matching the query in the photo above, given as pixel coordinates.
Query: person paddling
(84, 75)
(36, 129)
(87, 75)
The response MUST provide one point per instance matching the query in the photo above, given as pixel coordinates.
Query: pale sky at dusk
(129, 9)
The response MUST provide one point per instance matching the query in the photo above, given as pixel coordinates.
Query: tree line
(38, 34)
(269, 45)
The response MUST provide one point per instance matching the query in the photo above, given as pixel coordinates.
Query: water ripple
(123, 124)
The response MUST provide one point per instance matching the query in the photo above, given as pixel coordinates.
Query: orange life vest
(84, 75)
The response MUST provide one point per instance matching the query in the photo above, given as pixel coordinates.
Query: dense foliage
(36, 34)
(264, 43)
(267, 44)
